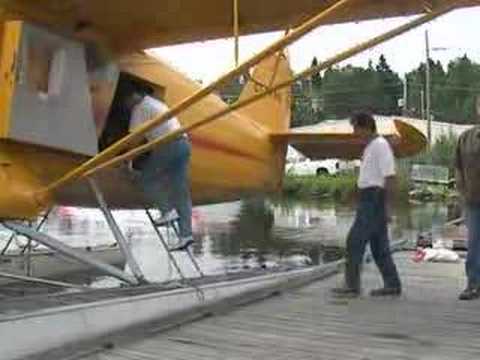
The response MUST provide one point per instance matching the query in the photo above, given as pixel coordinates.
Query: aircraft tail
(272, 112)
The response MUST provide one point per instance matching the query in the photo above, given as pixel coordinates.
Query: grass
(341, 187)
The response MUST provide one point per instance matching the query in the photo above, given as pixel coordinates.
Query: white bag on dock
(436, 254)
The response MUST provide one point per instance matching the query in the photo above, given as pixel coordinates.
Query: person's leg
(472, 264)
(156, 180)
(380, 247)
(180, 189)
(356, 242)
(157, 189)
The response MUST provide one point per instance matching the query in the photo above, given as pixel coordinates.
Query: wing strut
(235, 29)
(117, 233)
(68, 251)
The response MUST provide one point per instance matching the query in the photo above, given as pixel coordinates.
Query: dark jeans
(370, 225)
(472, 264)
(165, 179)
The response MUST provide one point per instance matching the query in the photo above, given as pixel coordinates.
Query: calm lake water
(238, 236)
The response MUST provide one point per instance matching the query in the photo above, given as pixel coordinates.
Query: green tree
(302, 111)
(389, 89)
(307, 106)
(317, 77)
(460, 91)
(453, 93)
(415, 88)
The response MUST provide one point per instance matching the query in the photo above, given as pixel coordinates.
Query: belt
(372, 189)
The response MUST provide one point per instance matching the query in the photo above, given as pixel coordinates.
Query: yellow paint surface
(9, 40)
(231, 157)
(142, 24)
(25, 169)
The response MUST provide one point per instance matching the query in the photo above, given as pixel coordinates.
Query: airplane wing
(335, 139)
(133, 25)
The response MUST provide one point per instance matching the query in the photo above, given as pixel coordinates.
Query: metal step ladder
(171, 226)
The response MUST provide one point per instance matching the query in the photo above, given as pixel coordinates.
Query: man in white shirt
(375, 184)
(164, 172)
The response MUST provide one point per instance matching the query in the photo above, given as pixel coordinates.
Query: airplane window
(45, 68)
(57, 70)
(39, 59)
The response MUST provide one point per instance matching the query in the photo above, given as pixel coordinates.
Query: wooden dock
(427, 322)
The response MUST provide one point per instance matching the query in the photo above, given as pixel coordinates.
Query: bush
(339, 187)
(442, 152)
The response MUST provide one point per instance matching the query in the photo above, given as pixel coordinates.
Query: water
(237, 236)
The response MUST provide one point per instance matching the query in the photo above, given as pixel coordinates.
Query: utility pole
(422, 104)
(405, 96)
(310, 90)
(427, 89)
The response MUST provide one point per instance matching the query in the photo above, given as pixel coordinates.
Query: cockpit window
(44, 69)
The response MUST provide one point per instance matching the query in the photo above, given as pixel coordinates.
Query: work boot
(345, 292)
(470, 293)
(386, 291)
(183, 243)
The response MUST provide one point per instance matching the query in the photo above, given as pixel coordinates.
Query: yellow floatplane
(63, 142)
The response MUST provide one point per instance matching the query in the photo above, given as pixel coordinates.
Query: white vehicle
(314, 167)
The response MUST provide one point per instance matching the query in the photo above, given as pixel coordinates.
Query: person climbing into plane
(164, 171)
(375, 184)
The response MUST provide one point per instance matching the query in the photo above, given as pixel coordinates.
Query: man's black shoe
(470, 293)
(345, 292)
(386, 292)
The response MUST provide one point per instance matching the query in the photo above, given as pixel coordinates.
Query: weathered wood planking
(427, 322)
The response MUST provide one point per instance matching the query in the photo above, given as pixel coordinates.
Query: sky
(451, 36)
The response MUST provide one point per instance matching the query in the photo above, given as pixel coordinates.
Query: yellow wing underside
(336, 139)
(126, 25)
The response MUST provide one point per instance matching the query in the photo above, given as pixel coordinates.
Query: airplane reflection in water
(230, 237)
(237, 236)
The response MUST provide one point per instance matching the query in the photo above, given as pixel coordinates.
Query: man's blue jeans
(165, 179)
(472, 264)
(370, 225)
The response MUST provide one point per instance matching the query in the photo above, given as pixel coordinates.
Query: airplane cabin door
(44, 93)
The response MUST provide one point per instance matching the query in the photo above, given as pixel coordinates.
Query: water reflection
(238, 236)
(252, 239)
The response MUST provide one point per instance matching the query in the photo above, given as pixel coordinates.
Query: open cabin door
(44, 93)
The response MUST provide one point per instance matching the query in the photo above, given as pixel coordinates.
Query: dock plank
(427, 322)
